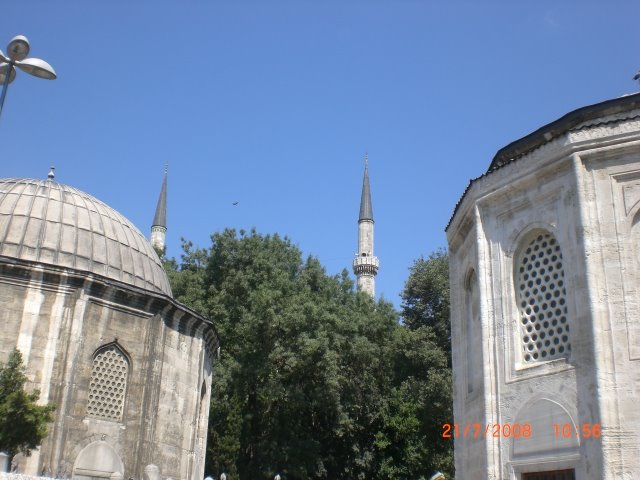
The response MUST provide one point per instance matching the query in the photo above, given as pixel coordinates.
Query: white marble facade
(544, 270)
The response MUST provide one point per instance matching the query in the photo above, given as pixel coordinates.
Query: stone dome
(51, 223)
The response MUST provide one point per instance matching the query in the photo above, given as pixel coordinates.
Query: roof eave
(560, 126)
(548, 132)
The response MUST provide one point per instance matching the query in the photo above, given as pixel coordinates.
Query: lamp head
(18, 48)
(37, 67)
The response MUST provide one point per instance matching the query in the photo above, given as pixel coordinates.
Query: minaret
(159, 226)
(366, 264)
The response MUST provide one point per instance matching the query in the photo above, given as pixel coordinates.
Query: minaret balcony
(366, 264)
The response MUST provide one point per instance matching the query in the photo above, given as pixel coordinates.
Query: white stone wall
(21, 476)
(470, 334)
(158, 237)
(609, 179)
(367, 283)
(366, 263)
(365, 237)
(182, 406)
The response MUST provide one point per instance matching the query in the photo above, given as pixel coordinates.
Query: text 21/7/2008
(517, 430)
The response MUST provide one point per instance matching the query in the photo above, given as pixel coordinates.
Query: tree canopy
(314, 379)
(425, 298)
(23, 423)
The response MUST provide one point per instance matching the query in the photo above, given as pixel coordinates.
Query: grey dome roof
(48, 222)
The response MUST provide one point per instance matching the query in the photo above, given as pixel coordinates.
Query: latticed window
(542, 300)
(108, 383)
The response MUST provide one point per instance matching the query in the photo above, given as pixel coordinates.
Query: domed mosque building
(85, 298)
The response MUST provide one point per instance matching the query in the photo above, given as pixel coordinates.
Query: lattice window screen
(542, 300)
(108, 384)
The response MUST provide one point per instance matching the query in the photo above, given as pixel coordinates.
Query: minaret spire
(159, 226)
(366, 264)
(366, 210)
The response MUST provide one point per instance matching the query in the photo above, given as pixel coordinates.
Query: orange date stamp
(478, 430)
(518, 430)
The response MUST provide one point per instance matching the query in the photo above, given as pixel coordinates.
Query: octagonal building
(544, 271)
(85, 298)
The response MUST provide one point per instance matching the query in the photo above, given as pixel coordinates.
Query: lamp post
(17, 52)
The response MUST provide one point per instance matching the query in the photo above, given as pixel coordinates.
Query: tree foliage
(314, 380)
(426, 297)
(23, 423)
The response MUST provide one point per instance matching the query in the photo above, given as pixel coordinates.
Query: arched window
(108, 384)
(635, 231)
(201, 411)
(542, 299)
(474, 342)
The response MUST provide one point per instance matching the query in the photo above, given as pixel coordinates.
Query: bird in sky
(235, 204)
(637, 75)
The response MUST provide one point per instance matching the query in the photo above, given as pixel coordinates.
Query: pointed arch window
(542, 299)
(108, 384)
(635, 231)
(473, 328)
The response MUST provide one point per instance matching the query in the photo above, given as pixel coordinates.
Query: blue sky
(273, 104)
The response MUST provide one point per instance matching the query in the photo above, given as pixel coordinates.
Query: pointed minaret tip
(366, 209)
(160, 218)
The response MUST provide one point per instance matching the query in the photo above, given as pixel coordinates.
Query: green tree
(420, 402)
(23, 423)
(425, 298)
(314, 380)
(426, 313)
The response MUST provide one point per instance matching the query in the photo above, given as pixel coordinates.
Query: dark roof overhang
(549, 132)
(561, 126)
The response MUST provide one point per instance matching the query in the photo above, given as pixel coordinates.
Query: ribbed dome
(45, 221)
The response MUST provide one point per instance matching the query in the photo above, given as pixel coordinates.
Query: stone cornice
(105, 290)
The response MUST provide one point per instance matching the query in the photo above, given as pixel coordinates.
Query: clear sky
(273, 104)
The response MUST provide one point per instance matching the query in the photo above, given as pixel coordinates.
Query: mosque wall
(469, 329)
(610, 184)
(533, 269)
(183, 403)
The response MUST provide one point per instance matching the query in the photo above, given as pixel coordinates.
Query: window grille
(108, 383)
(542, 300)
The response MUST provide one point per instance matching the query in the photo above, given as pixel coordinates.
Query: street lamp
(18, 49)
